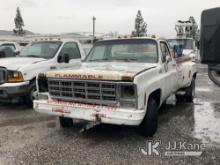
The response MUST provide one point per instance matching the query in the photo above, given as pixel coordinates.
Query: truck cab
(18, 74)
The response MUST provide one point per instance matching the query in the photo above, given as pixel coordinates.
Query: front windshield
(185, 43)
(45, 50)
(133, 50)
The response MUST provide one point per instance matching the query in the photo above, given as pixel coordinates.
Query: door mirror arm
(168, 59)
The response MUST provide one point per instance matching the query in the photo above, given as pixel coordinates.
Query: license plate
(61, 110)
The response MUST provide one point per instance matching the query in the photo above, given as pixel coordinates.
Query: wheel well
(156, 95)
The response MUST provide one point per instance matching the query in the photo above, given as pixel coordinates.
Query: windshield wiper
(126, 59)
(99, 60)
(33, 56)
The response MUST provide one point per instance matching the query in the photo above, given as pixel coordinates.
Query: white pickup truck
(18, 74)
(122, 82)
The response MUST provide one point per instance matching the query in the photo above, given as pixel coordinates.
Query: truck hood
(16, 63)
(103, 71)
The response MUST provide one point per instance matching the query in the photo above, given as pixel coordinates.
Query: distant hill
(6, 32)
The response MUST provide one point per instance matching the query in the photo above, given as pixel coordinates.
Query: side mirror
(178, 50)
(60, 59)
(63, 58)
(66, 58)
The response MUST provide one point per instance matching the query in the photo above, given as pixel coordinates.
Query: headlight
(128, 95)
(15, 76)
(42, 83)
(127, 91)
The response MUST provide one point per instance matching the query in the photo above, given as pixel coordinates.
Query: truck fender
(155, 94)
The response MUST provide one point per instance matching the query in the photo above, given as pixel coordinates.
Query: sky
(61, 16)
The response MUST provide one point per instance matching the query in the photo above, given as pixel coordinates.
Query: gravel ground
(27, 137)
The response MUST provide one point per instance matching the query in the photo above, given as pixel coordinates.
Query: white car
(122, 82)
(13, 45)
(9, 49)
(18, 74)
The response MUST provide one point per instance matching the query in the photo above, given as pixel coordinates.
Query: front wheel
(32, 95)
(189, 93)
(149, 125)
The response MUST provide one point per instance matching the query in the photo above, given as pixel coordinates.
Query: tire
(65, 122)
(149, 125)
(29, 99)
(190, 92)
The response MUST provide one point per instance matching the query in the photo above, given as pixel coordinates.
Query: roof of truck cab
(54, 39)
(182, 38)
(133, 38)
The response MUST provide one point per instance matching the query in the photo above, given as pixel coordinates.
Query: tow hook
(91, 124)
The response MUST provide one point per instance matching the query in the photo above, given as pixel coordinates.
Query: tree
(140, 26)
(19, 23)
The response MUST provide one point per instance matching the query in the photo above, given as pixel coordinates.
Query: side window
(164, 49)
(71, 49)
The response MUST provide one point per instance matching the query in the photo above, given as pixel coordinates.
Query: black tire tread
(149, 125)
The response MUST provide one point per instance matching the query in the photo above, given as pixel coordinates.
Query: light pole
(93, 29)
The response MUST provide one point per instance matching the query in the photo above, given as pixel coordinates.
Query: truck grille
(2, 75)
(83, 91)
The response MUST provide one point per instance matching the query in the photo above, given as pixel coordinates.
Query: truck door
(170, 72)
(71, 51)
(182, 72)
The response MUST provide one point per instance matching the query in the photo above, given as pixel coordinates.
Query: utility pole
(93, 30)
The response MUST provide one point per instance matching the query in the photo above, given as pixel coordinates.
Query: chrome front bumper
(12, 90)
(104, 114)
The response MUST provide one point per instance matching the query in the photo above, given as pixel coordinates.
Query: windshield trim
(121, 41)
